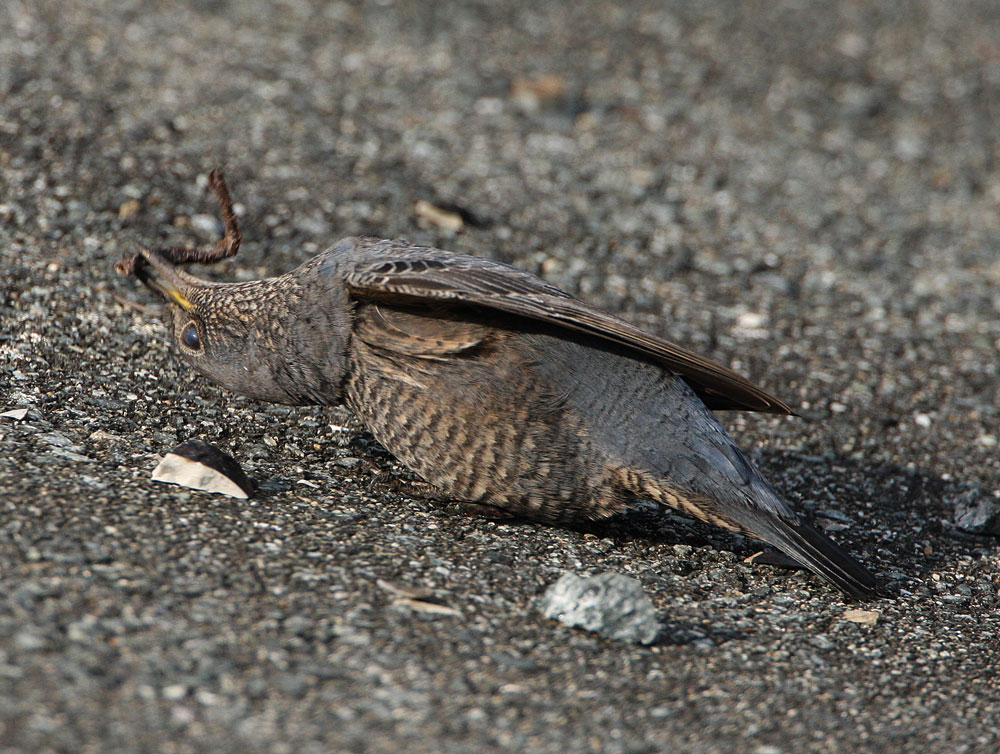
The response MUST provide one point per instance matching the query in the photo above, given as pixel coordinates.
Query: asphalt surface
(809, 192)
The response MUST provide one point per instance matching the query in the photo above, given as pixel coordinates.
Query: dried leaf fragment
(864, 617)
(430, 214)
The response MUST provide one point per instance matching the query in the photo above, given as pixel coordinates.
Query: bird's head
(279, 340)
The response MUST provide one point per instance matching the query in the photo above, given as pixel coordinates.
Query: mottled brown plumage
(491, 384)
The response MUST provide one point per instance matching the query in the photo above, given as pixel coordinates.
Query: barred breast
(464, 405)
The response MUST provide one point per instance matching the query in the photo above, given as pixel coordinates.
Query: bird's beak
(161, 277)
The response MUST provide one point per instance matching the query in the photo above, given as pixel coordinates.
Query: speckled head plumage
(490, 383)
(267, 339)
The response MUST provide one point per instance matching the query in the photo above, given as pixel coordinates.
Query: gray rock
(978, 512)
(609, 604)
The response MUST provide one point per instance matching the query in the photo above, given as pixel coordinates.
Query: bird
(501, 390)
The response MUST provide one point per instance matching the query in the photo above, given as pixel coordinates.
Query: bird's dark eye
(190, 337)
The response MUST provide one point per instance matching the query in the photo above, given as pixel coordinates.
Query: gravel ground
(809, 192)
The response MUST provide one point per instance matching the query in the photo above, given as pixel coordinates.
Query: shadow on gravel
(899, 521)
(895, 517)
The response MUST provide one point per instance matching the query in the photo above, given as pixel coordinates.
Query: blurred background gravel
(807, 191)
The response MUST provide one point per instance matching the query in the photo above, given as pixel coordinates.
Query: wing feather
(392, 270)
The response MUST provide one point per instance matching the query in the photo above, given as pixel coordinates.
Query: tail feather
(766, 516)
(817, 552)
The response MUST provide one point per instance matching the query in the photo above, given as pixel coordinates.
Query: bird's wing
(437, 337)
(401, 272)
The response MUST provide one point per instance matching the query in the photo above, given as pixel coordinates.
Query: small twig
(226, 247)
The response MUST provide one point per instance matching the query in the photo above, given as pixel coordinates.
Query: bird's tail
(820, 554)
(755, 509)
